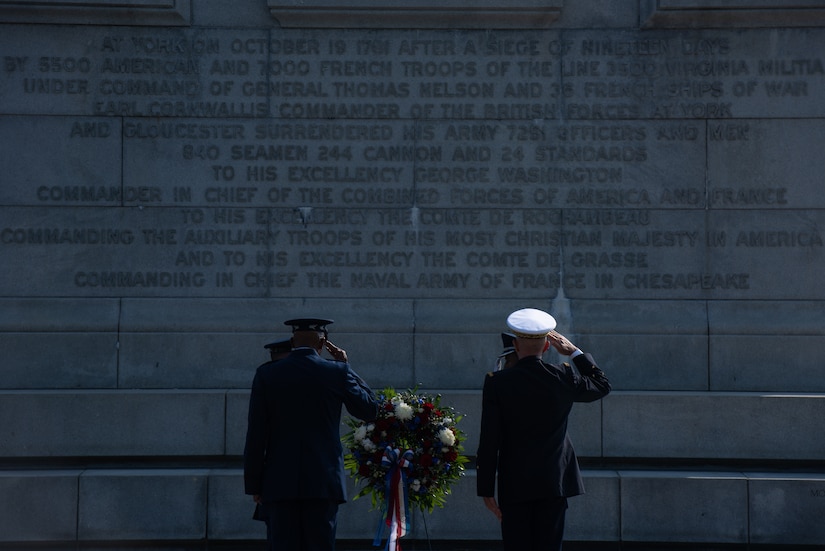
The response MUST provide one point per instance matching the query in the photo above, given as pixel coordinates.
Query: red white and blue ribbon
(397, 515)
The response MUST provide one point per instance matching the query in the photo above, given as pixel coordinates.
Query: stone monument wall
(177, 178)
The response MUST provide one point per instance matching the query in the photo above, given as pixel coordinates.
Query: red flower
(364, 470)
(450, 456)
(382, 424)
(425, 460)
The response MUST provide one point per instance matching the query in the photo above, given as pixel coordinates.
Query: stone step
(646, 506)
(626, 424)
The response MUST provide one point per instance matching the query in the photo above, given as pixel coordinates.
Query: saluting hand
(560, 343)
(337, 353)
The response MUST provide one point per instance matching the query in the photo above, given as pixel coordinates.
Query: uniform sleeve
(591, 382)
(359, 398)
(489, 441)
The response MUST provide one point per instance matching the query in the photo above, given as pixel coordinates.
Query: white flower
(369, 445)
(360, 433)
(446, 436)
(403, 411)
(416, 485)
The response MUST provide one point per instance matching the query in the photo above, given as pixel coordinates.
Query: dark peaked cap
(309, 324)
(279, 346)
(507, 344)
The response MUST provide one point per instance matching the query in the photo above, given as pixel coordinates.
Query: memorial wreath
(409, 457)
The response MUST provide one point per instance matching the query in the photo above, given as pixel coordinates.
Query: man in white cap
(524, 434)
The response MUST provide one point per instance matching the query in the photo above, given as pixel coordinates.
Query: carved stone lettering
(244, 162)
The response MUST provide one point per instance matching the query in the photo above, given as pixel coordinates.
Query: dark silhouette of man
(524, 441)
(293, 458)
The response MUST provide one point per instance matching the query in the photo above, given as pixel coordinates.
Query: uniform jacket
(524, 428)
(293, 447)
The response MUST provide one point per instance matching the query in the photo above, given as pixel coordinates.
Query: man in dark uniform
(293, 458)
(524, 434)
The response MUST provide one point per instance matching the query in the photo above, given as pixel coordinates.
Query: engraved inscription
(438, 75)
(254, 163)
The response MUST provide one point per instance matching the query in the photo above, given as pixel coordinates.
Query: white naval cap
(529, 323)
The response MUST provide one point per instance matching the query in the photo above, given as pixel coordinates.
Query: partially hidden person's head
(279, 350)
(508, 356)
(309, 332)
(531, 327)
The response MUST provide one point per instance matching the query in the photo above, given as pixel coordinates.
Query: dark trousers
(301, 525)
(533, 525)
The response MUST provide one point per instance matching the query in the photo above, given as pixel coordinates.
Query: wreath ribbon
(397, 508)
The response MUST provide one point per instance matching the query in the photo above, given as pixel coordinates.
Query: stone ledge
(23, 514)
(89, 12)
(418, 14)
(111, 423)
(181, 343)
(694, 426)
(656, 506)
(715, 425)
(140, 504)
(730, 13)
(75, 315)
(684, 506)
(584, 425)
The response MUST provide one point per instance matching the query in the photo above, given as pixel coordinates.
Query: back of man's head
(530, 347)
(312, 339)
